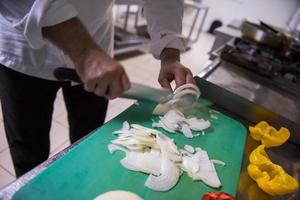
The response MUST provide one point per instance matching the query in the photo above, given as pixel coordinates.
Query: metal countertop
(240, 95)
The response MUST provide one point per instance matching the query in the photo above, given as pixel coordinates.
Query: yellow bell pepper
(268, 135)
(270, 177)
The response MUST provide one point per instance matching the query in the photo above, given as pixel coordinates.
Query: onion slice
(112, 148)
(125, 126)
(168, 148)
(169, 176)
(185, 129)
(218, 162)
(184, 96)
(174, 120)
(190, 164)
(198, 124)
(207, 172)
(187, 86)
(189, 148)
(147, 162)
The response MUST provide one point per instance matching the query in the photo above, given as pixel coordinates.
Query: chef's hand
(101, 74)
(97, 70)
(171, 69)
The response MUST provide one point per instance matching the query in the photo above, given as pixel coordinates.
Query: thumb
(125, 82)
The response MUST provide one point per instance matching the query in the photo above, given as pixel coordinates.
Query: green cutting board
(89, 169)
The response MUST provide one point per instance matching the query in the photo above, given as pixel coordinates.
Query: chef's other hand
(101, 74)
(171, 69)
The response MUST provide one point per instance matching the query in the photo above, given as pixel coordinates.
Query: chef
(37, 36)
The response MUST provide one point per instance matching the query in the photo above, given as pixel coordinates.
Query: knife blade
(137, 91)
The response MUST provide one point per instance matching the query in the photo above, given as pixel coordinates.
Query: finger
(190, 78)
(164, 82)
(125, 81)
(115, 88)
(90, 86)
(101, 88)
(180, 77)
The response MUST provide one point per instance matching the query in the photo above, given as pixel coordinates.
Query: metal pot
(293, 51)
(285, 35)
(261, 35)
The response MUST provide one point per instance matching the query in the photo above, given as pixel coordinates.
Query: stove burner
(266, 61)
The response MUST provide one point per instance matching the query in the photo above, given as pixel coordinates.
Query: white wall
(276, 12)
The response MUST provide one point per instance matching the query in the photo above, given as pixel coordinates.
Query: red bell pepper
(217, 196)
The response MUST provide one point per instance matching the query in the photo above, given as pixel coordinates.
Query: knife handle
(66, 74)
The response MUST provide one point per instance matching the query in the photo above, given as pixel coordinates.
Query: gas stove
(273, 64)
(266, 77)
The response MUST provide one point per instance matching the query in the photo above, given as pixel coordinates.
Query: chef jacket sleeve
(30, 16)
(164, 19)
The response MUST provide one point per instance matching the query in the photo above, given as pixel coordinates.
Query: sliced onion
(147, 162)
(169, 176)
(156, 125)
(125, 162)
(125, 142)
(168, 148)
(213, 116)
(149, 151)
(166, 142)
(213, 111)
(117, 195)
(141, 132)
(198, 149)
(174, 117)
(125, 126)
(184, 96)
(183, 93)
(143, 128)
(112, 148)
(187, 86)
(219, 162)
(162, 125)
(190, 164)
(169, 126)
(174, 120)
(185, 129)
(189, 148)
(185, 152)
(207, 172)
(162, 109)
(198, 124)
(122, 132)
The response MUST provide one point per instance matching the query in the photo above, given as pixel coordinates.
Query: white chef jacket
(23, 48)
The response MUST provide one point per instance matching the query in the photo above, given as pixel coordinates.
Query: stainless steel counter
(250, 100)
(258, 98)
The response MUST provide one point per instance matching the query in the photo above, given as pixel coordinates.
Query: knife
(137, 91)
